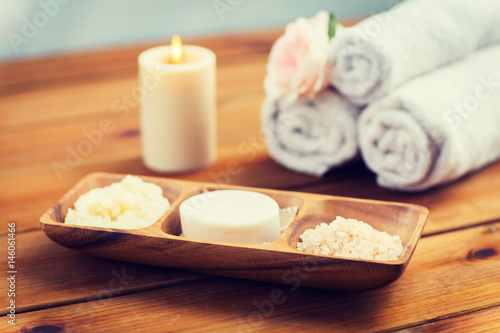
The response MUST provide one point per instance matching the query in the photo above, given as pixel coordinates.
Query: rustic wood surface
(451, 284)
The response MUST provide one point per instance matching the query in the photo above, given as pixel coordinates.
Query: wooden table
(46, 107)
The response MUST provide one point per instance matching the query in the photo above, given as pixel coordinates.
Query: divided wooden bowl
(279, 262)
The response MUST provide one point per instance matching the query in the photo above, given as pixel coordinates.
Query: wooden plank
(56, 70)
(480, 321)
(69, 277)
(25, 206)
(471, 200)
(27, 74)
(239, 82)
(20, 202)
(32, 143)
(451, 274)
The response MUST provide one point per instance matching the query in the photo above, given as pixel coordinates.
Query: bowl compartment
(172, 223)
(393, 218)
(171, 190)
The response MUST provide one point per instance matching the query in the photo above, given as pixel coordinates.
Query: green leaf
(332, 24)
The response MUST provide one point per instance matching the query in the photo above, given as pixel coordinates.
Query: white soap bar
(233, 216)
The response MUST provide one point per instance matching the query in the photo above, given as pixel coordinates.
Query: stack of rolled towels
(414, 91)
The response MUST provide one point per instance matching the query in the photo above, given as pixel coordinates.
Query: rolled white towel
(385, 50)
(436, 127)
(311, 136)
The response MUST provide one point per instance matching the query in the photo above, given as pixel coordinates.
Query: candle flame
(176, 55)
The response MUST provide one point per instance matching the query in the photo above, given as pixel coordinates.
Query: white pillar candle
(178, 109)
(232, 216)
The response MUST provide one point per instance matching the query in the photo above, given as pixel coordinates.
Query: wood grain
(480, 321)
(45, 105)
(474, 199)
(71, 68)
(450, 275)
(70, 277)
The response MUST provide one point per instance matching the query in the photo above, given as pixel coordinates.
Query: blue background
(77, 25)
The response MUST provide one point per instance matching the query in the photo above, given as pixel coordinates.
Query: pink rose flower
(299, 60)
